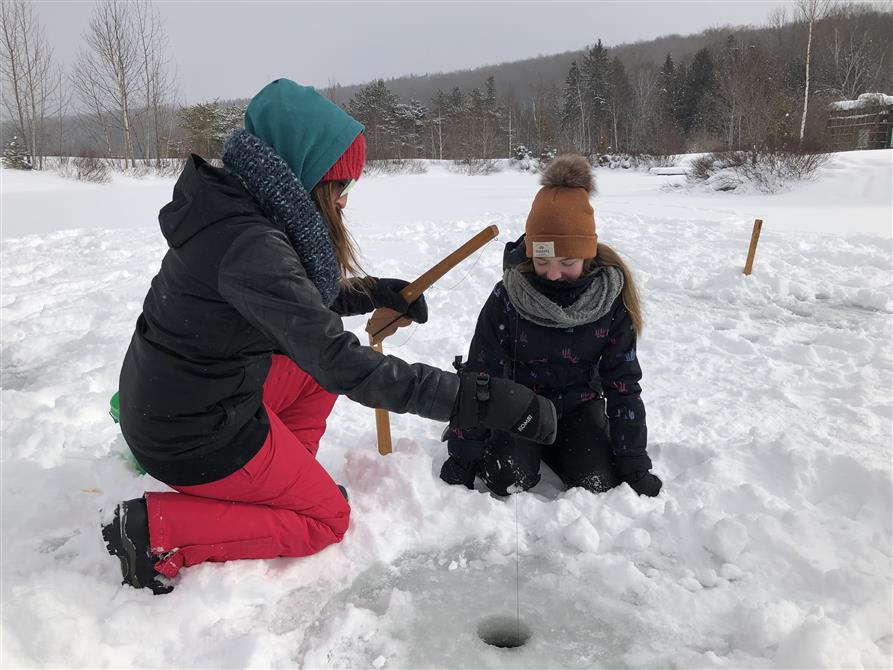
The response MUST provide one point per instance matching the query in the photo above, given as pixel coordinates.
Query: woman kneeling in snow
(240, 352)
(563, 322)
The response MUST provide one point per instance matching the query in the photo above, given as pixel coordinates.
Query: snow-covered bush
(530, 164)
(523, 160)
(395, 166)
(15, 157)
(631, 161)
(84, 168)
(475, 166)
(521, 153)
(170, 167)
(763, 170)
(91, 168)
(547, 155)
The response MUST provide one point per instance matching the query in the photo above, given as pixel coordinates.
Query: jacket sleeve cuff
(352, 302)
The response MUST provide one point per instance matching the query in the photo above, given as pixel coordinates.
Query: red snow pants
(281, 503)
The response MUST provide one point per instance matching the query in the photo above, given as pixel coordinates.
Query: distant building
(865, 123)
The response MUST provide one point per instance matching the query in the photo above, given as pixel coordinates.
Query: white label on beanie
(543, 249)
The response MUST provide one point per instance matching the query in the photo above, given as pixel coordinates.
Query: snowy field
(769, 413)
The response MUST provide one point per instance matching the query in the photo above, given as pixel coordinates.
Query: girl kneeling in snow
(563, 322)
(240, 352)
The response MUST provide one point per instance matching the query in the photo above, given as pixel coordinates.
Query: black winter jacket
(570, 366)
(230, 291)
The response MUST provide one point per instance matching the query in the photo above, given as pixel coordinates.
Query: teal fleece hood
(306, 130)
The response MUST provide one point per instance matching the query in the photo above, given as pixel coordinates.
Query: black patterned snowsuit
(589, 371)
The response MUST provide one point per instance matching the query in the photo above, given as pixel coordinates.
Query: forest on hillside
(722, 90)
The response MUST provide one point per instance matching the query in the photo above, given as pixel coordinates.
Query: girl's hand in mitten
(644, 483)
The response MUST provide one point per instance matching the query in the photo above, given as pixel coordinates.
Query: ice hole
(504, 632)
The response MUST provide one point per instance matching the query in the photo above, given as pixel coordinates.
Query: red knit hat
(350, 164)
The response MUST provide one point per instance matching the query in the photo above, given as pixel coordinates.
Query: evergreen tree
(596, 73)
(202, 124)
(473, 146)
(493, 114)
(447, 133)
(698, 111)
(669, 136)
(666, 88)
(573, 108)
(454, 112)
(619, 100)
(680, 97)
(229, 118)
(376, 108)
(482, 116)
(15, 156)
(438, 116)
(411, 120)
(208, 124)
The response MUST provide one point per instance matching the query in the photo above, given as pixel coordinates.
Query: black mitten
(386, 293)
(501, 404)
(644, 483)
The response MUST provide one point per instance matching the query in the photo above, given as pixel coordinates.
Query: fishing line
(435, 287)
(517, 573)
(480, 254)
(516, 494)
(412, 332)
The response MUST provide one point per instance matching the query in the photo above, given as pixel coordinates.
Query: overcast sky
(232, 49)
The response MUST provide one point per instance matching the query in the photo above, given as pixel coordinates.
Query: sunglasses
(346, 186)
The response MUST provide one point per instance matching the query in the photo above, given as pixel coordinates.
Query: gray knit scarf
(291, 209)
(595, 302)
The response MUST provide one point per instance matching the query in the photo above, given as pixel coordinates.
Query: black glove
(501, 404)
(644, 483)
(386, 293)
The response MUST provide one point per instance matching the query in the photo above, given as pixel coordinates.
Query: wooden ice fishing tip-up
(385, 321)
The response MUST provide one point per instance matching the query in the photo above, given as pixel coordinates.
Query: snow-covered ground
(770, 413)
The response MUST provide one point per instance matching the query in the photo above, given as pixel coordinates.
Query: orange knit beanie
(561, 221)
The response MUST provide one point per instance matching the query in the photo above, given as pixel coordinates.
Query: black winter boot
(127, 537)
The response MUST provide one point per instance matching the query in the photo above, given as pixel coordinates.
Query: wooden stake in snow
(754, 238)
(385, 321)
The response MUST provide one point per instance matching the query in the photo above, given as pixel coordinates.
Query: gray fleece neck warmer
(291, 209)
(595, 302)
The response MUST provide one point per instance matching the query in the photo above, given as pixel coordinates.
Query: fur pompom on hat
(561, 221)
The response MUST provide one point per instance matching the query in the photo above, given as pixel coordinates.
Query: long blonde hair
(346, 250)
(608, 257)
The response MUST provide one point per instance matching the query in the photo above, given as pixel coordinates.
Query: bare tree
(545, 116)
(156, 83)
(25, 63)
(87, 88)
(644, 87)
(852, 60)
(106, 76)
(736, 75)
(811, 11)
(62, 103)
